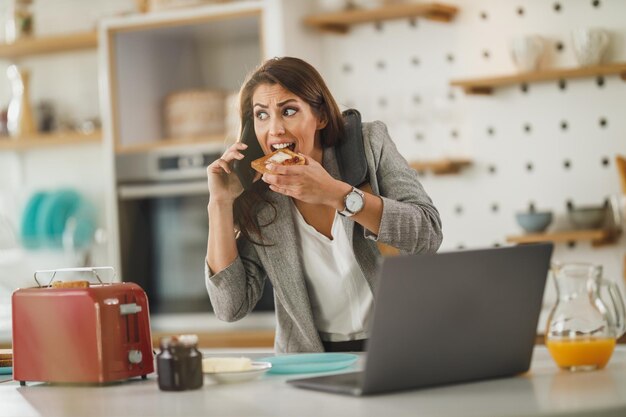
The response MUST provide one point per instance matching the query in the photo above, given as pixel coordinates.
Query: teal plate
(53, 215)
(6, 370)
(301, 363)
(30, 234)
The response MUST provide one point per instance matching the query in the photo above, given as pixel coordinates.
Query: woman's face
(282, 119)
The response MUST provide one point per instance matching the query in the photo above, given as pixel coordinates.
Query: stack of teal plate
(300, 363)
(49, 215)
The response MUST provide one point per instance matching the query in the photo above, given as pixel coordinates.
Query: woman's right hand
(224, 185)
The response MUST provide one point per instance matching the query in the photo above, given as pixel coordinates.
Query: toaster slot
(134, 326)
(130, 310)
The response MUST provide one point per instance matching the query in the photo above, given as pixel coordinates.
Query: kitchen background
(539, 144)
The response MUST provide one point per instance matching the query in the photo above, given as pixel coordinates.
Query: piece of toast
(6, 358)
(214, 365)
(70, 284)
(279, 157)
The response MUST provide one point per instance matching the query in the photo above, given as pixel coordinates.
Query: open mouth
(277, 146)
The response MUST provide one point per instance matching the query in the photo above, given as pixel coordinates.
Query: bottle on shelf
(19, 22)
(3, 123)
(20, 121)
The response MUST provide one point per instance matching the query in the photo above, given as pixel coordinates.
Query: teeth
(278, 146)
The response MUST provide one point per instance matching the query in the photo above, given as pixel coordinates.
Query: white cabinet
(150, 63)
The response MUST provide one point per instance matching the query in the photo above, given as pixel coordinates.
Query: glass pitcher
(582, 330)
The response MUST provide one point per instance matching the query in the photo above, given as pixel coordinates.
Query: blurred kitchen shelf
(340, 22)
(598, 237)
(49, 140)
(441, 166)
(226, 339)
(49, 44)
(487, 85)
(217, 140)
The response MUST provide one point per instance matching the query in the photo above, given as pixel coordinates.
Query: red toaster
(94, 334)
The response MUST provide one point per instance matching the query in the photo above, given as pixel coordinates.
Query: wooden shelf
(49, 140)
(487, 85)
(217, 140)
(340, 22)
(49, 44)
(598, 237)
(226, 339)
(441, 166)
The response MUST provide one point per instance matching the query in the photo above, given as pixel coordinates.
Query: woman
(310, 233)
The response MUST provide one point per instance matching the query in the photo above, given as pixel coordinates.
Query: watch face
(354, 202)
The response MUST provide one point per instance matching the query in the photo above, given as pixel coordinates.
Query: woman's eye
(262, 115)
(289, 112)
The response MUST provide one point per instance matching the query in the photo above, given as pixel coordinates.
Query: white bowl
(590, 45)
(527, 52)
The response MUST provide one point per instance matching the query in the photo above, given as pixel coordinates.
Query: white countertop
(544, 391)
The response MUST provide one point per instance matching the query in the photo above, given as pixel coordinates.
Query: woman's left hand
(309, 183)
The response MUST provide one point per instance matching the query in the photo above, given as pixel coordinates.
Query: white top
(340, 296)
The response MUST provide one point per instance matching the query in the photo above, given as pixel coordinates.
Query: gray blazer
(410, 222)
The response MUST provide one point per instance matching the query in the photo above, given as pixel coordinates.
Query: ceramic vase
(20, 121)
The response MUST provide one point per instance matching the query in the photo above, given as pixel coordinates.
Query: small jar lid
(190, 340)
(184, 340)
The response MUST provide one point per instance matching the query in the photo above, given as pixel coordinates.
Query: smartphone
(242, 167)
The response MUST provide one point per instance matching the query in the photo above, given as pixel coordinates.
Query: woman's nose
(276, 127)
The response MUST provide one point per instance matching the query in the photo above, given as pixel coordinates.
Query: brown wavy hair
(303, 80)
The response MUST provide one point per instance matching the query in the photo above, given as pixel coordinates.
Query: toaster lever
(131, 308)
(134, 356)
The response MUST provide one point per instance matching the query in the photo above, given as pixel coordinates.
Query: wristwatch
(353, 202)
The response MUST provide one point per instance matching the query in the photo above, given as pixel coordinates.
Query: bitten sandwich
(283, 157)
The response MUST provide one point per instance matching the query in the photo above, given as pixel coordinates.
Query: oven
(163, 226)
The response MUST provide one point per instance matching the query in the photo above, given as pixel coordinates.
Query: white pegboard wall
(546, 143)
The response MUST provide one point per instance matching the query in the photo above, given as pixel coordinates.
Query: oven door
(163, 239)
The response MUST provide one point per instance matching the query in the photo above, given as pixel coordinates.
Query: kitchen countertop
(544, 391)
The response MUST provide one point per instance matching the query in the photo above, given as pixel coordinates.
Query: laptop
(449, 318)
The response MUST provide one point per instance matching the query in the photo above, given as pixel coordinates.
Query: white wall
(409, 68)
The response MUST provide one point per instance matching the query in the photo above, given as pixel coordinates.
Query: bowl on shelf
(587, 217)
(590, 45)
(534, 221)
(527, 52)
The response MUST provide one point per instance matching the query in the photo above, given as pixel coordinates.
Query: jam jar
(179, 363)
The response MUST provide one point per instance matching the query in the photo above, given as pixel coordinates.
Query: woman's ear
(322, 122)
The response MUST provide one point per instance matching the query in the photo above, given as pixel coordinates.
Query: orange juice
(585, 353)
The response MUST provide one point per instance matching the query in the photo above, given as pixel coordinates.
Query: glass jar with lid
(179, 364)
